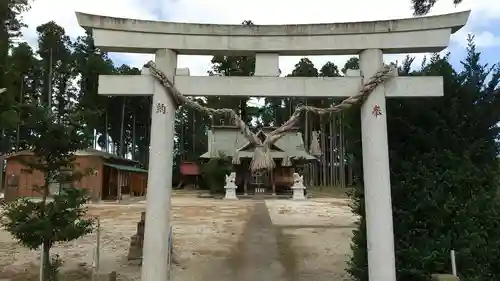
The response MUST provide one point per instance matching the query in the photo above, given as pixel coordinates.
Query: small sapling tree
(55, 139)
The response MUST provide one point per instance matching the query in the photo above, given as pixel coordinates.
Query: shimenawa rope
(262, 157)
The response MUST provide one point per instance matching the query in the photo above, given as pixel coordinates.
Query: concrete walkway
(258, 258)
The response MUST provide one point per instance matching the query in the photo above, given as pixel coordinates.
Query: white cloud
(63, 13)
(487, 39)
(482, 39)
(259, 11)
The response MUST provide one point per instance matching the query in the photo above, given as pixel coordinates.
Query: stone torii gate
(368, 39)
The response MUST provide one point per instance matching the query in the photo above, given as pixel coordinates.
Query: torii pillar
(376, 176)
(156, 257)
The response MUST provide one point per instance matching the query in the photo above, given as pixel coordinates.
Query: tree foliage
(59, 220)
(214, 173)
(444, 176)
(423, 7)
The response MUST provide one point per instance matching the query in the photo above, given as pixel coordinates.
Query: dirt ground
(312, 238)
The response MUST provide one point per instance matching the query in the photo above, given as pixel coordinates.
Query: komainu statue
(298, 187)
(230, 186)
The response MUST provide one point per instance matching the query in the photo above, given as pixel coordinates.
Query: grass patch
(329, 191)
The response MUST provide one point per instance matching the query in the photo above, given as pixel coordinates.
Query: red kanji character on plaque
(377, 111)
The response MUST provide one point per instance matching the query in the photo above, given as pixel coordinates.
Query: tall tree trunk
(122, 130)
(18, 129)
(193, 138)
(2, 166)
(307, 170)
(323, 156)
(49, 92)
(133, 136)
(4, 41)
(147, 145)
(46, 270)
(332, 150)
(181, 135)
(106, 135)
(243, 111)
(45, 259)
(342, 152)
(148, 133)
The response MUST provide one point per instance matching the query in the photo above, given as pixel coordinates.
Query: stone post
(137, 240)
(380, 234)
(158, 199)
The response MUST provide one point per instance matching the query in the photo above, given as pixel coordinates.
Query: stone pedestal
(230, 193)
(298, 187)
(137, 240)
(230, 187)
(298, 193)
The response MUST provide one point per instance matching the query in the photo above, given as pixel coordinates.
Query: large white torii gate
(368, 39)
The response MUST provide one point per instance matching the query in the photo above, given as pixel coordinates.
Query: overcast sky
(484, 22)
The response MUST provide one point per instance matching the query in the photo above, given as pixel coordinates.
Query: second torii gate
(368, 39)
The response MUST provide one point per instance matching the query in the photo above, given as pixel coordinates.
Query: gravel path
(259, 258)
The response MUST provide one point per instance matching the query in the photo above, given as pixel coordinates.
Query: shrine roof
(230, 142)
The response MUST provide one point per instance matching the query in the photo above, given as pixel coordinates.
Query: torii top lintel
(410, 35)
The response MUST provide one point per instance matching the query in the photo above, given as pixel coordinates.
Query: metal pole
(98, 244)
(171, 252)
(95, 264)
(453, 263)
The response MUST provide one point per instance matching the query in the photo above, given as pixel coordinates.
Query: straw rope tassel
(314, 148)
